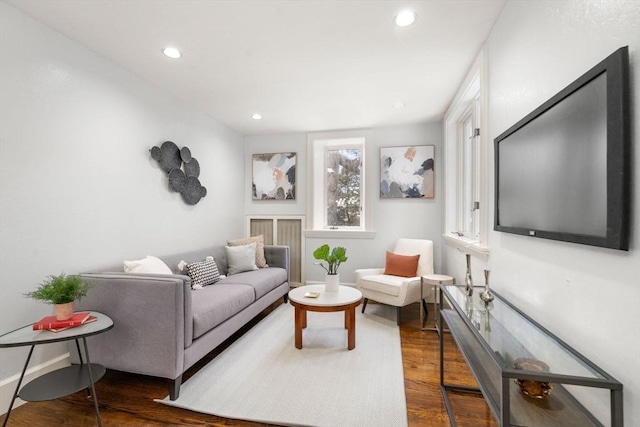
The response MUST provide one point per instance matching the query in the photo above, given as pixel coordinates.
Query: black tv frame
(618, 148)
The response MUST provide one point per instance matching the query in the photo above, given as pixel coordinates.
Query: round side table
(434, 280)
(63, 381)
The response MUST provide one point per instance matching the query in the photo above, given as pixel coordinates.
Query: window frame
(471, 98)
(317, 144)
(337, 145)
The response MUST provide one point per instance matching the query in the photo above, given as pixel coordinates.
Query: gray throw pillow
(241, 258)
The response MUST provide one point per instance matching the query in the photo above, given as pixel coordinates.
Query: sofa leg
(174, 388)
(364, 304)
(285, 298)
(398, 315)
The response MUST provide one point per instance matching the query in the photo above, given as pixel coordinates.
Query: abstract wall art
(407, 172)
(274, 176)
(182, 169)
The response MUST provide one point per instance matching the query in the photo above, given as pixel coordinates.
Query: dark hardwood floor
(127, 399)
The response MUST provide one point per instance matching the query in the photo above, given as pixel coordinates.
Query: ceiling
(304, 65)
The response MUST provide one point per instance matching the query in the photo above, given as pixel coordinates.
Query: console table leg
(616, 408)
(93, 385)
(15, 393)
(505, 409)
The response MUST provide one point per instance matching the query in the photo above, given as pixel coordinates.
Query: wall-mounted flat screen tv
(562, 172)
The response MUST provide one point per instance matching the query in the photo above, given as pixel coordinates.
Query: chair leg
(398, 315)
(364, 304)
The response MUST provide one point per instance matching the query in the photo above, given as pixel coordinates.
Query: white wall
(78, 187)
(589, 297)
(421, 219)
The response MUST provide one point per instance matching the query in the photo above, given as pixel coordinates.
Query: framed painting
(274, 176)
(407, 172)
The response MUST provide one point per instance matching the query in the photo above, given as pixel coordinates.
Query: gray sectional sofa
(162, 327)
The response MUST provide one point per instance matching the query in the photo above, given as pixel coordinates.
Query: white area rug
(263, 377)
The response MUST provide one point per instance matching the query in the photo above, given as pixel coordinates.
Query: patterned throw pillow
(203, 273)
(261, 261)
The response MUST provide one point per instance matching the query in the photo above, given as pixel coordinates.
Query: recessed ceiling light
(256, 116)
(172, 52)
(398, 105)
(405, 18)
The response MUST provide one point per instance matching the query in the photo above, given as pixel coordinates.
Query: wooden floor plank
(127, 399)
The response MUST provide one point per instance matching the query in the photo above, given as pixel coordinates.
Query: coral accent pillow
(401, 265)
(261, 261)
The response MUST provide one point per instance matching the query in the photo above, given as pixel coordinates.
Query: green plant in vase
(333, 258)
(61, 291)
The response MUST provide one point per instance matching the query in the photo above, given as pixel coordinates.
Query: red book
(89, 320)
(50, 322)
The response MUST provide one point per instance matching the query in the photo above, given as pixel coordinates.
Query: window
(466, 216)
(343, 182)
(469, 141)
(338, 199)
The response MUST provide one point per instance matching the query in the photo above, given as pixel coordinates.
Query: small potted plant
(333, 257)
(61, 291)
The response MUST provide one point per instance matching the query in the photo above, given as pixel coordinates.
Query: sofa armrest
(148, 312)
(278, 256)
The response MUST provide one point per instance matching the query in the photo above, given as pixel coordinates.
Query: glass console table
(493, 339)
(63, 381)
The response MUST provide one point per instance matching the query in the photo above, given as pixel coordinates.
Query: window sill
(468, 246)
(344, 234)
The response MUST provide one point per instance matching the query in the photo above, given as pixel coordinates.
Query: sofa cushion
(262, 281)
(385, 284)
(214, 304)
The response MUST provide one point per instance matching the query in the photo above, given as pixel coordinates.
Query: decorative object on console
(173, 160)
(534, 389)
(333, 257)
(61, 291)
(407, 172)
(274, 176)
(468, 280)
(486, 295)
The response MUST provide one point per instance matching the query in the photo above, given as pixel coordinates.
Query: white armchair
(396, 290)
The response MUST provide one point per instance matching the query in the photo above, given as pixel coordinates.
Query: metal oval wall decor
(182, 170)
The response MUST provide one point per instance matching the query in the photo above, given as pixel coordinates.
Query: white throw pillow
(150, 265)
(241, 258)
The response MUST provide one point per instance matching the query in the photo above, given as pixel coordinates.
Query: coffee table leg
(350, 320)
(300, 318)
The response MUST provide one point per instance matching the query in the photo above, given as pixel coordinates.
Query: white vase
(331, 282)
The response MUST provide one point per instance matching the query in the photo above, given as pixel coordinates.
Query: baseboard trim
(8, 386)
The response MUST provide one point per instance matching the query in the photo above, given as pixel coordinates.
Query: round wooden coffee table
(346, 299)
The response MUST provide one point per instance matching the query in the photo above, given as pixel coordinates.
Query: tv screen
(562, 171)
